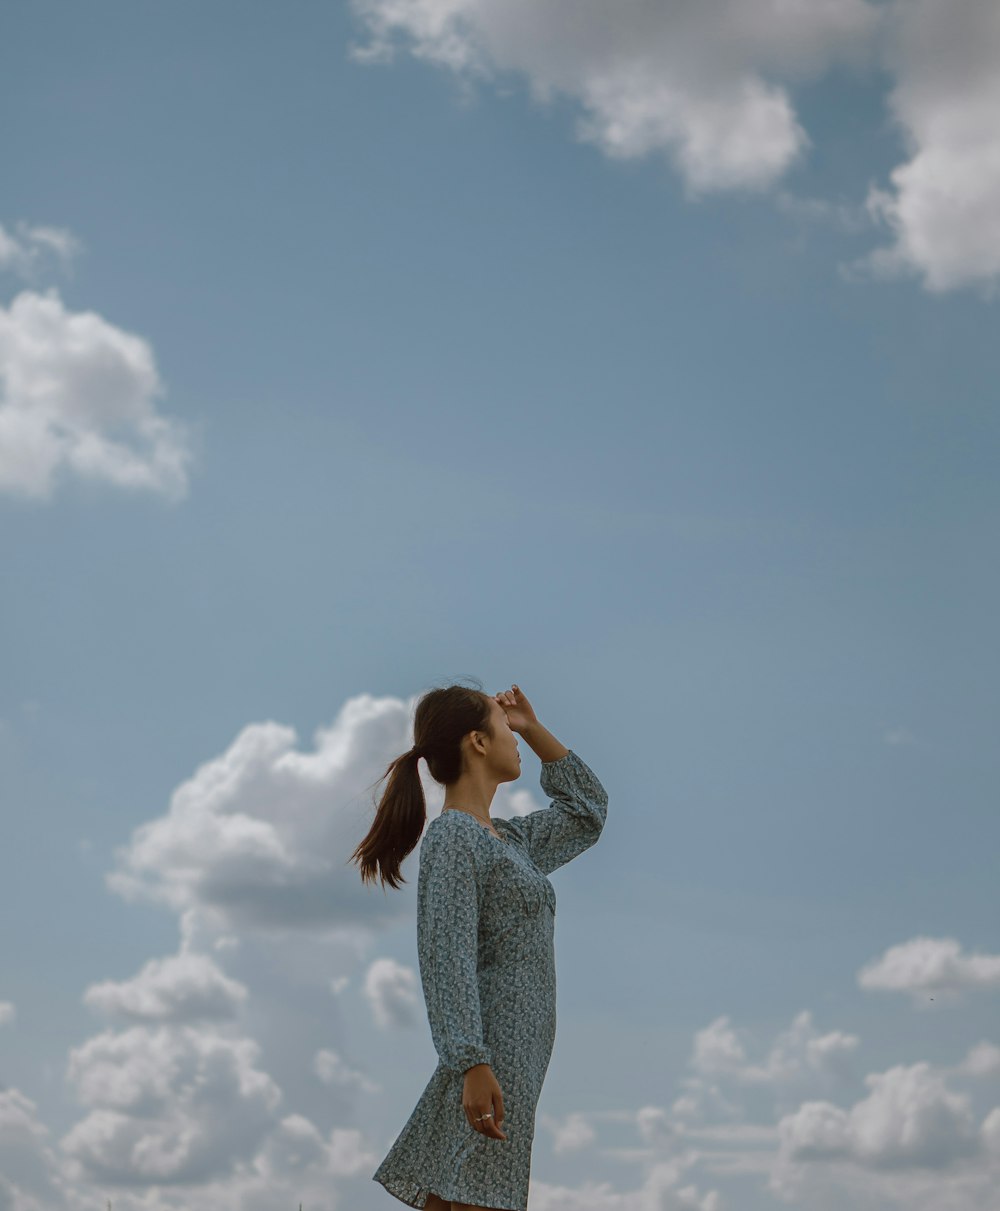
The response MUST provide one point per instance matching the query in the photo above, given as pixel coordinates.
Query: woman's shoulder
(447, 824)
(455, 827)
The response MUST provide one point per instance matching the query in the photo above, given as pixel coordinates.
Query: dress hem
(388, 1182)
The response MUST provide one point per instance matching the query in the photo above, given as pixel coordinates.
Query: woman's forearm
(544, 744)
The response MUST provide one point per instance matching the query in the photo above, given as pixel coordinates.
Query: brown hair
(443, 716)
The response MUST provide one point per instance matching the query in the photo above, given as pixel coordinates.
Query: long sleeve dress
(485, 924)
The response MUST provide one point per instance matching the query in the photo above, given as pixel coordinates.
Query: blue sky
(647, 361)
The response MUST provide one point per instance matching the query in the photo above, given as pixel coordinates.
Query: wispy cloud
(29, 250)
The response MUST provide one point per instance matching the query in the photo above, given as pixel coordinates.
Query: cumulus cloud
(982, 1060)
(168, 1105)
(943, 206)
(78, 398)
(710, 87)
(180, 988)
(660, 1191)
(803, 1051)
(572, 1134)
(296, 1150)
(31, 1172)
(797, 1052)
(180, 1112)
(704, 1101)
(800, 1059)
(990, 1132)
(703, 84)
(29, 248)
(910, 1118)
(654, 1127)
(717, 1049)
(258, 838)
(332, 1069)
(393, 992)
(925, 966)
(183, 1118)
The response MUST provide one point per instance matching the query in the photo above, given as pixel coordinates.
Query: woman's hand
(481, 1096)
(520, 715)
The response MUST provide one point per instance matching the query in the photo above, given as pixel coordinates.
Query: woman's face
(507, 757)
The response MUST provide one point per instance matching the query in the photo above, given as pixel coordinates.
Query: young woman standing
(485, 921)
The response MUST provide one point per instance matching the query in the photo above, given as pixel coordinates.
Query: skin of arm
(544, 744)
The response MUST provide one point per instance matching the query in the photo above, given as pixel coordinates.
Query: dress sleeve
(447, 947)
(573, 820)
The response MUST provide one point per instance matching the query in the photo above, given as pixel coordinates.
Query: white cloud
(258, 838)
(703, 1101)
(184, 1119)
(294, 1146)
(982, 1060)
(990, 1132)
(331, 1069)
(703, 84)
(709, 86)
(798, 1052)
(717, 1049)
(802, 1050)
(180, 1109)
(800, 1060)
(846, 216)
(909, 1118)
(78, 397)
(660, 1191)
(7, 1012)
(655, 1128)
(943, 207)
(181, 988)
(816, 1129)
(925, 965)
(31, 1172)
(29, 248)
(297, 1152)
(170, 1104)
(393, 992)
(571, 1134)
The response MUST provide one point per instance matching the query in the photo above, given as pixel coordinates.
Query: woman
(485, 917)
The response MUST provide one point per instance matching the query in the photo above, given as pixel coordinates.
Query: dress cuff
(471, 1056)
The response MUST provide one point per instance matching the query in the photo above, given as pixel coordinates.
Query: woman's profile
(485, 924)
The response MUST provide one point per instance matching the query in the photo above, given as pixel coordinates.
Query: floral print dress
(485, 922)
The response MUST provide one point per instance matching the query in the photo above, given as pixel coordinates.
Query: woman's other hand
(481, 1095)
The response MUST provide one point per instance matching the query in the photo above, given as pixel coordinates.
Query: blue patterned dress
(485, 920)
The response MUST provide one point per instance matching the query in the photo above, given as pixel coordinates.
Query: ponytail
(442, 718)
